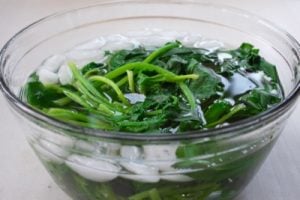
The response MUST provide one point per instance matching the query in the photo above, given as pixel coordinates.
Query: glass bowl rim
(245, 124)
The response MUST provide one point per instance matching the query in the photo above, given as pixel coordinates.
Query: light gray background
(22, 177)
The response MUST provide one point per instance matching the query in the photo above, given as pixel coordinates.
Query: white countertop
(22, 177)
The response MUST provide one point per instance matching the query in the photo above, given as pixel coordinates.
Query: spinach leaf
(258, 100)
(39, 95)
(215, 111)
(196, 149)
(184, 89)
(206, 85)
(269, 69)
(91, 66)
(176, 64)
(122, 57)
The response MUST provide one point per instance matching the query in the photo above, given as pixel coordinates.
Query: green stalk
(146, 122)
(155, 112)
(189, 95)
(62, 101)
(175, 79)
(56, 87)
(113, 85)
(233, 111)
(78, 118)
(90, 73)
(140, 66)
(107, 104)
(140, 196)
(169, 76)
(105, 109)
(76, 98)
(67, 114)
(161, 51)
(187, 76)
(89, 101)
(130, 80)
(122, 81)
(120, 107)
(78, 76)
(154, 194)
(145, 65)
(84, 91)
(106, 191)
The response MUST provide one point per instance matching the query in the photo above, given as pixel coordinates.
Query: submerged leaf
(206, 85)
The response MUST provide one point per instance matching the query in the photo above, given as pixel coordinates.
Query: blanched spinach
(183, 88)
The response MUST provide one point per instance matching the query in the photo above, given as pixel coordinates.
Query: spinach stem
(107, 104)
(105, 109)
(62, 101)
(90, 73)
(122, 81)
(147, 122)
(76, 98)
(54, 87)
(232, 112)
(68, 114)
(113, 85)
(152, 194)
(140, 66)
(89, 101)
(78, 76)
(161, 51)
(187, 76)
(78, 118)
(189, 95)
(84, 91)
(130, 80)
(169, 76)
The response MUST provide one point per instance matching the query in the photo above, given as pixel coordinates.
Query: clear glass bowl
(93, 164)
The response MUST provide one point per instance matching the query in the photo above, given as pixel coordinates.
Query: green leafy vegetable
(207, 84)
(39, 95)
(169, 88)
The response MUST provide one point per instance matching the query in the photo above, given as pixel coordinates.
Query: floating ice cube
(47, 77)
(84, 146)
(54, 148)
(61, 140)
(92, 169)
(210, 45)
(65, 75)
(53, 63)
(161, 156)
(92, 44)
(139, 168)
(160, 152)
(107, 148)
(130, 152)
(142, 178)
(176, 177)
(46, 155)
(84, 56)
(154, 41)
(190, 39)
(224, 56)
